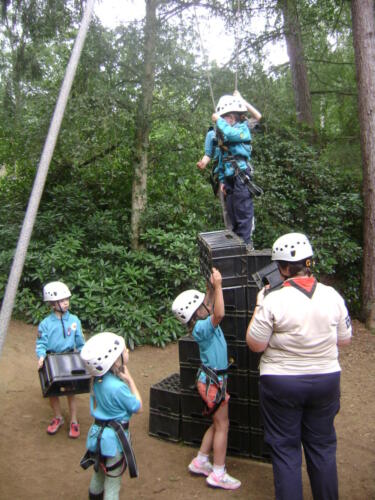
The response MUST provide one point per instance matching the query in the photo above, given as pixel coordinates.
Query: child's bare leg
(207, 441)
(72, 403)
(221, 425)
(55, 405)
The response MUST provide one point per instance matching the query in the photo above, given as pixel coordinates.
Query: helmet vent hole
(99, 368)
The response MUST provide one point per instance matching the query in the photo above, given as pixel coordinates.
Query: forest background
(124, 201)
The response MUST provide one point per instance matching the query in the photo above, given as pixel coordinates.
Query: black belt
(127, 449)
(104, 423)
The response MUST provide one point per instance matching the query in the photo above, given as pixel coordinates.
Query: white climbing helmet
(230, 104)
(56, 290)
(292, 247)
(101, 351)
(185, 305)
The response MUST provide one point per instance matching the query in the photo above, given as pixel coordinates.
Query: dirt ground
(34, 465)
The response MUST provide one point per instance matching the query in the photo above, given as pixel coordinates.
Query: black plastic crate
(234, 326)
(240, 299)
(255, 415)
(165, 426)
(222, 243)
(192, 406)
(165, 395)
(64, 374)
(238, 381)
(238, 437)
(238, 353)
(188, 375)
(254, 385)
(227, 252)
(259, 450)
(238, 384)
(257, 259)
(254, 359)
(188, 350)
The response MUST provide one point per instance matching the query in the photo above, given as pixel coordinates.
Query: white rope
(205, 58)
(41, 175)
(237, 38)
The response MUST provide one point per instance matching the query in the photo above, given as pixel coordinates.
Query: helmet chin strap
(60, 310)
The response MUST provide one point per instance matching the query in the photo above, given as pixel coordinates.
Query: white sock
(219, 470)
(202, 457)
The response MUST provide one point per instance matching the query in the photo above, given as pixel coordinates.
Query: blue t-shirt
(114, 401)
(237, 138)
(59, 335)
(212, 345)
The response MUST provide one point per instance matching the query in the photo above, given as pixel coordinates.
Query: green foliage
(304, 193)
(82, 232)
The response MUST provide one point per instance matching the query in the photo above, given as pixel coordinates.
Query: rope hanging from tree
(205, 57)
(237, 41)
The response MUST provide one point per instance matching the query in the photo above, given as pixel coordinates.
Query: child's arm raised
(218, 308)
(248, 106)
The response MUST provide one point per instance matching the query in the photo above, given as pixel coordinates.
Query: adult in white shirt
(298, 327)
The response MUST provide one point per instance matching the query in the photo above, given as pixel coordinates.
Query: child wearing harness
(202, 314)
(218, 147)
(60, 332)
(114, 399)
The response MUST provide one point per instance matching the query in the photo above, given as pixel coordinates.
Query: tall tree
(363, 13)
(293, 38)
(139, 190)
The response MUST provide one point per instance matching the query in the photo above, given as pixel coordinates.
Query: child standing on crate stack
(230, 148)
(60, 332)
(202, 314)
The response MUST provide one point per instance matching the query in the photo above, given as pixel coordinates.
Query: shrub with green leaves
(85, 240)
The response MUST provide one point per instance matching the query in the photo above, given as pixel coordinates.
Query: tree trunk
(139, 188)
(364, 50)
(293, 38)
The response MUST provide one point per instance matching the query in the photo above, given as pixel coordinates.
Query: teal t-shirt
(212, 345)
(114, 401)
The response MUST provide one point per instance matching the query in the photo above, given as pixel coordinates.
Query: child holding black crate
(59, 332)
(202, 314)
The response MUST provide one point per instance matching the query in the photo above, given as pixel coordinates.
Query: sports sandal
(196, 467)
(55, 425)
(74, 431)
(224, 481)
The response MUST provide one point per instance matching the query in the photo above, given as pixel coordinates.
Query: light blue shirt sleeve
(209, 144)
(42, 339)
(79, 338)
(239, 133)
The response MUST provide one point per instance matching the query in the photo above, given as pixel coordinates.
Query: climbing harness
(98, 460)
(212, 377)
(244, 177)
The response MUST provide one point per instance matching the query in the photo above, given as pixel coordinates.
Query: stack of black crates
(227, 252)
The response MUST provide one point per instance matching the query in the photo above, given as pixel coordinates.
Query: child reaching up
(202, 315)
